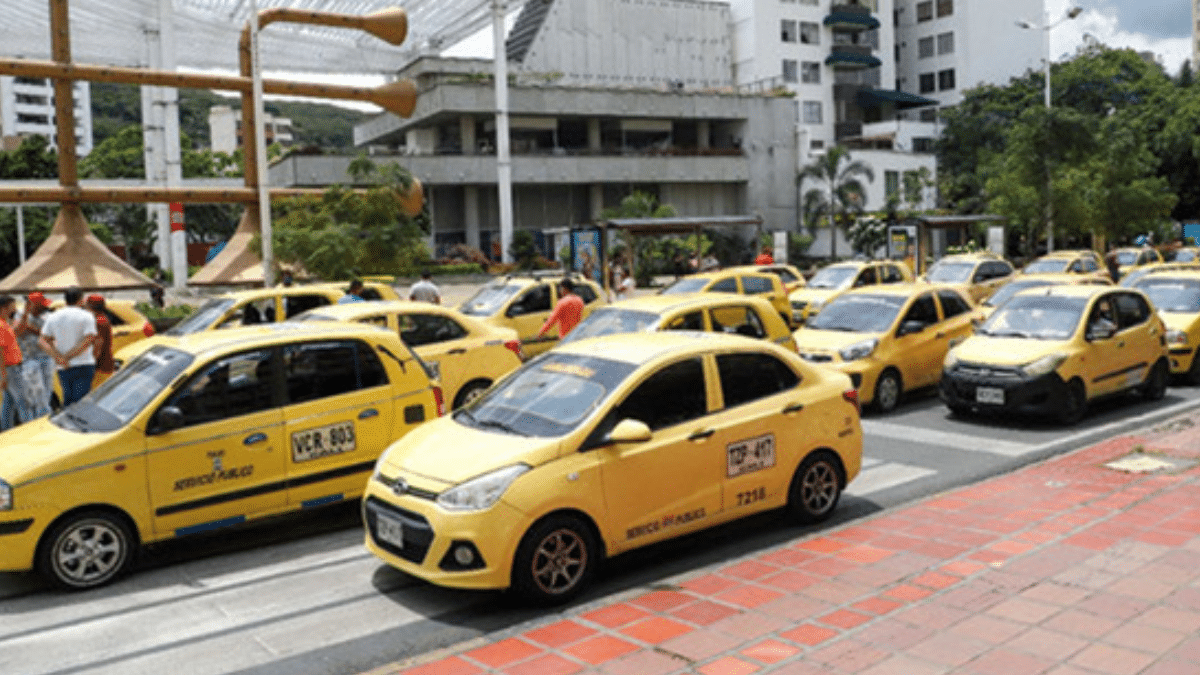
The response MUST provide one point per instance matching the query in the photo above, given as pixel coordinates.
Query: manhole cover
(1143, 463)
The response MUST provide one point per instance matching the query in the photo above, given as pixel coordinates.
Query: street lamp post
(1071, 13)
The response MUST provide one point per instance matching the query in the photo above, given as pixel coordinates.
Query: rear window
(489, 299)
(755, 285)
(611, 321)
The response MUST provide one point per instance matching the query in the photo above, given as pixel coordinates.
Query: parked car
(977, 274)
(1176, 296)
(523, 302)
(833, 280)
(741, 280)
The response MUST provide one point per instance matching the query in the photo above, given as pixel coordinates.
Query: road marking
(947, 439)
(877, 475)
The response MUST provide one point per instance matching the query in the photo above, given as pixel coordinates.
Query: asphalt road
(303, 596)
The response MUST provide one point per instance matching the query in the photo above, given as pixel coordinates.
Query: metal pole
(260, 150)
(503, 158)
(21, 233)
(1049, 177)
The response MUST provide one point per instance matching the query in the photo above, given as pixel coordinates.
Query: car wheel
(555, 561)
(470, 391)
(85, 550)
(815, 488)
(887, 391)
(1156, 382)
(1074, 405)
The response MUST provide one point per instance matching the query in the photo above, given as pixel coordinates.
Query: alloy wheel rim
(559, 561)
(819, 487)
(889, 392)
(88, 553)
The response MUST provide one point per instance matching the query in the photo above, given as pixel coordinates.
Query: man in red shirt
(102, 348)
(567, 312)
(764, 258)
(10, 372)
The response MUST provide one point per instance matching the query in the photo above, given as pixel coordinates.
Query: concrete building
(1196, 34)
(27, 108)
(225, 129)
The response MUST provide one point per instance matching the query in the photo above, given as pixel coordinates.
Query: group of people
(74, 342)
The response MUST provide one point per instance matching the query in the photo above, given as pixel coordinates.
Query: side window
(229, 387)
(378, 320)
(113, 319)
(724, 286)
(536, 299)
(673, 395)
(251, 313)
(891, 274)
(295, 304)
(370, 369)
(1002, 269)
(756, 285)
(424, 329)
(1076, 267)
(585, 293)
(866, 277)
(1131, 310)
(315, 370)
(749, 377)
(369, 293)
(784, 275)
(689, 321)
(1103, 311)
(1089, 265)
(952, 304)
(738, 319)
(923, 310)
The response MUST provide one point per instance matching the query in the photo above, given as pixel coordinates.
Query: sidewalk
(1075, 566)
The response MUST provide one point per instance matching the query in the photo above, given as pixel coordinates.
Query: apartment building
(27, 108)
(225, 129)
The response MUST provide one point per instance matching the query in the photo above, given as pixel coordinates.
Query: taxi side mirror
(169, 418)
(629, 431)
(515, 310)
(909, 327)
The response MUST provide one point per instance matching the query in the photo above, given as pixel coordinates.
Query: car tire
(815, 489)
(555, 561)
(1155, 387)
(469, 392)
(85, 550)
(888, 389)
(1074, 404)
(1193, 373)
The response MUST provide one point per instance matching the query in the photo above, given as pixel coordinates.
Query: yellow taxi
(1176, 296)
(1138, 273)
(1021, 283)
(1129, 259)
(792, 278)
(524, 302)
(467, 355)
(741, 280)
(1186, 254)
(833, 280)
(269, 305)
(207, 432)
(717, 312)
(602, 446)
(888, 339)
(1052, 350)
(1068, 261)
(977, 274)
(128, 324)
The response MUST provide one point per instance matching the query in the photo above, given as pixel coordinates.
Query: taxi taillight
(851, 395)
(148, 329)
(514, 346)
(439, 400)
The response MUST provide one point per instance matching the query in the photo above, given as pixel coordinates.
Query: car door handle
(458, 350)
(701, 435)
(368, 413)
(1120, 344)
(941, 335)
(793, 408)
(252, 439)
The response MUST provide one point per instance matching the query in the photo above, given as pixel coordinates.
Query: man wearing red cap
(37, 369)
(102, 348)
(13, 405)
(68, 337)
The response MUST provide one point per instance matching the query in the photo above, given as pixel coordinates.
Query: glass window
(754, 285)
(928, 83)
(202, 318)
(923, 310)
(118, 399)
(810, 72)
(1044, 317)
(859, 313)
(1132, 309)
(891, 274)
(536, 299)
(945, 8)
(673, 395)
(788, 32)
(1172, 294)
(945, 79)
(790, 71)
(585, 293)
(925, 47)
(924, 11)
(316, 370)
(945, 43)
(611, 321)
(251, 313)
(749, 377)
(295, 304)
(689, 321)
(953, 304)
(685, 285)
(235, 385)
(740, 320)
(724, 286)
(424, 329)
(489, 299)
(866, 278)
(810, 33)
(891, 183)
(812, 112)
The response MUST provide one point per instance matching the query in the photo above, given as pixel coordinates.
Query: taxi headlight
(1177, 338)
(859, 350)
(6, 499)
(951, 360)
(481, 492)
(1043, 366)
(814, 307)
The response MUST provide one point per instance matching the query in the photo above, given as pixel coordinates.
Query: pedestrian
(13, 406)
(625, 286)
(286, 279)
(1113, 265)
(709, 263)
(353, 293)
(37, 368)
(765, 258)
(68, 337)
(567, 312)
(425, 290)
(102, 349)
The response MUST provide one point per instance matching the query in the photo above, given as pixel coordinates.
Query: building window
(789, 70)
(922, 144)
(787, 29)
(809, 2)
(945, 43)
(929, 115)
(896, 53)
(945, 8)
(810, 72)
(928, 83)
(891, 183)
(810, 33)
(812, 112)
(945, 79)
(896, 17)
(925, 48)
(924, 11)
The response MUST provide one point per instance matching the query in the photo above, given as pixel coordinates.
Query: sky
(1159, 26)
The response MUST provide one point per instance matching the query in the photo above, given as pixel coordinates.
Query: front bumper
(863, 373)
(19, 534)
(429, 531)
(960, 388)
(1181, 360)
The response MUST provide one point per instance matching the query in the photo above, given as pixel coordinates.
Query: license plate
(750, 455)
(389, 530)
(333, 439)
(990, 395)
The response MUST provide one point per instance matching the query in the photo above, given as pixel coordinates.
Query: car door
(338, 418)
(439, 339)
(1108, 371)
(671, 483)
(737, 319)
(919, 354)
(223, 462)
(956, 323)
(527, 312)
(760, 420)
(1139, 329)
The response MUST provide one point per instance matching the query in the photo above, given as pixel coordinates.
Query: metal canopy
(114, 32)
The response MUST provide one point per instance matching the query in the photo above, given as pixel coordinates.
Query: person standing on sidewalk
(37, 368)
(13, 406)
(425, 290)
(567, 312)
(68, 337)
(102, 349)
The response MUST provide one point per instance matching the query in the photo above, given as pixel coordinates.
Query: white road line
(947, 439)
(877, 475)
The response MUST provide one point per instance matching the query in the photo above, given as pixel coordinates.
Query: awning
(851, 20)
(871, 98)
(851, 59)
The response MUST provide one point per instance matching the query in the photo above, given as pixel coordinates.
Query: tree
(643, 250)
(842, 191)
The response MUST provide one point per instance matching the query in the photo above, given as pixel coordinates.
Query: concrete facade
(27, 108)
(225, 129)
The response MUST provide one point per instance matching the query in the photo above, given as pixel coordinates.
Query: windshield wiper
(495, 424)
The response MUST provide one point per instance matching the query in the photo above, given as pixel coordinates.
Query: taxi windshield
(610, 321)
(950, 272)
(489, 299)
(1127, 257)
(859, 313)
(1041, 317)
(548, 397)
(692, 285)
(1172, 295)
(1184, 255)
(1046, 265)
(833, 277)
(1012, 288)
(202, 318)
(121, 397)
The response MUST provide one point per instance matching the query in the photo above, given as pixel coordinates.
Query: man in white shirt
(68, 336)
(425, 290)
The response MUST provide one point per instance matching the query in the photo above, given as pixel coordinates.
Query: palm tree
(842, 190)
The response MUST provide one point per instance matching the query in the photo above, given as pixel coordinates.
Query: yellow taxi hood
(828, 340)
(451, 453)
(1006, 351)
(40, 448)
(811, 295)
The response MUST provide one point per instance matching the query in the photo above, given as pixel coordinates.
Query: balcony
(850, 18)
(852, 57)
(844, 130)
